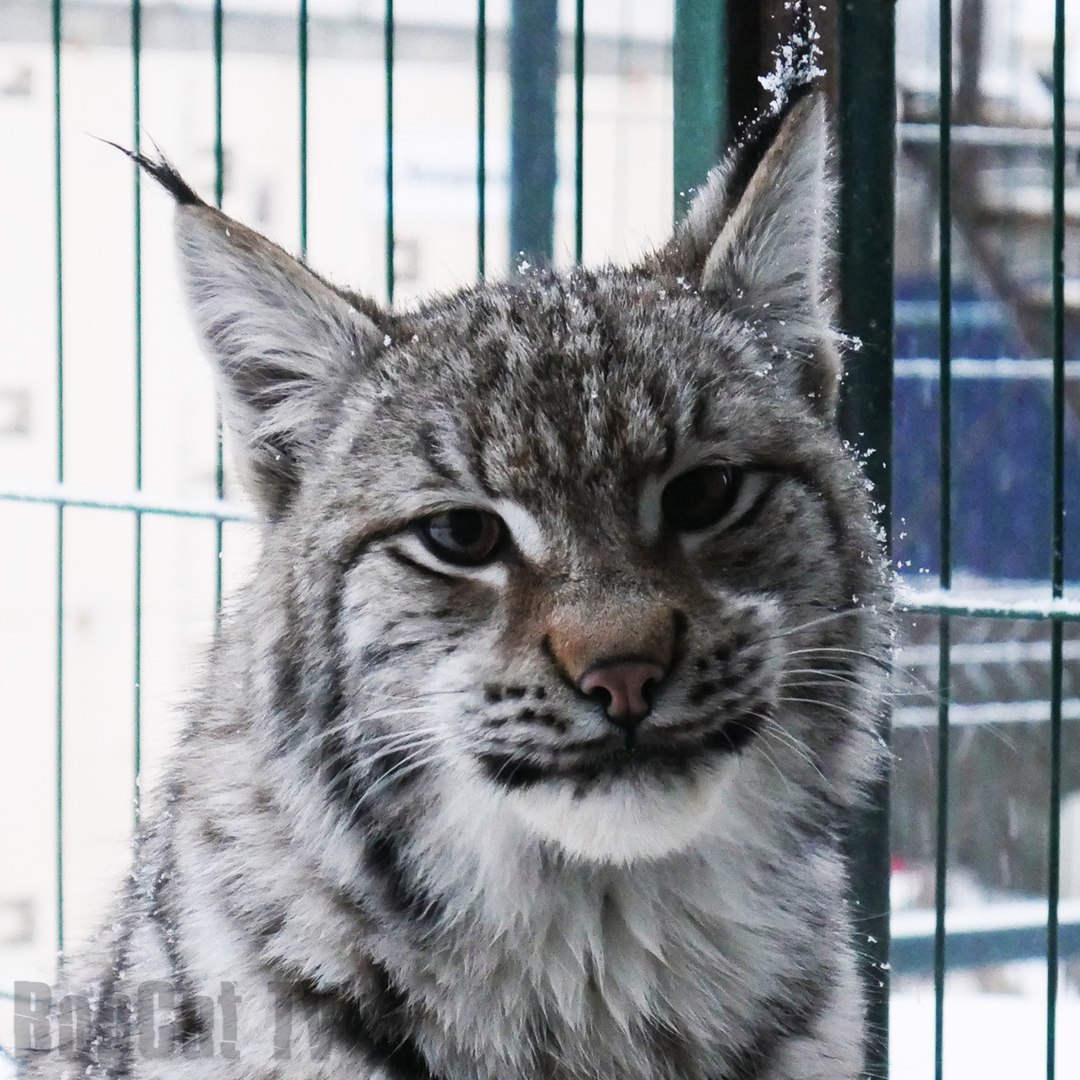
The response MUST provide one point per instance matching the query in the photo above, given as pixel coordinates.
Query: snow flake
(795, 62)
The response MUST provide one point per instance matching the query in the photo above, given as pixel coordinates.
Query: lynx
(525, 752)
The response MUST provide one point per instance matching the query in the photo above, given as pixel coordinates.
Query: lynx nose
(622, 687)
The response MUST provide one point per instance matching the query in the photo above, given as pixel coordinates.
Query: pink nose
(621, 687)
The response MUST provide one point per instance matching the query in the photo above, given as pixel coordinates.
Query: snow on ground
(989, 1036)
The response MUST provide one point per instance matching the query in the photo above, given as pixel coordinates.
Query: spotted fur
(394, 813)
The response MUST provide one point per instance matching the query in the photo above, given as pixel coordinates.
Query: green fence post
(1057, 542)
(302, 86)
(137, 620)
(941, 854)
(58, 261)
(534, 69)
(388, 74)
(219, 193)
(481, 139)
(700, 83)
(867, 133)
(579, 128)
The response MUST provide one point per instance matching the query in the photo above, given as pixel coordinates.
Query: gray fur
(391, 804)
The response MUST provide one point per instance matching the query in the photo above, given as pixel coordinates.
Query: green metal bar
(1057, 562)
(136, 85)
(1057, 555)
(867, 118)
(214, 511)
(219, 194)
(302, 62)
(700, 77)
(1061, 610)
(534, 74)
(941, 860)
(388, 61)
(1053, 890)
(579, 127)
(136, 139)
(219, 143)
(945, 289)
(481, 139)
(57, 35)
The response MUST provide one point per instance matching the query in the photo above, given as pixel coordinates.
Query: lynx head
(582, 549)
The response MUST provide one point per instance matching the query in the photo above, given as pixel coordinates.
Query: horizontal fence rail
(983, 937)
(130, 503)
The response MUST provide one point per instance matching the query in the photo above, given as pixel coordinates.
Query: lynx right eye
(701, 497)
(462, 537)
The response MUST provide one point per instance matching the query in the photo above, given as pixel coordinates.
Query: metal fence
(951, 609)
(945, 621)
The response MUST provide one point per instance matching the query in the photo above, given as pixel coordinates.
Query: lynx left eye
(462, 537)
(701, 497)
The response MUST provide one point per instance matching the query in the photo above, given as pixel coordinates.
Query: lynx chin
(525, 752)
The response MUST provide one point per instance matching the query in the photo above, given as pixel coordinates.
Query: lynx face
(582, 551)
(524, 751)
(585, 548)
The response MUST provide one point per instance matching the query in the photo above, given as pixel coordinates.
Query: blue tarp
(1001, 450)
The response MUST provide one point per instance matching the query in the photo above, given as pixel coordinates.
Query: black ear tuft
(164, 172)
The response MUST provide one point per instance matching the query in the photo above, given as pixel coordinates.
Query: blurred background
(301, 154)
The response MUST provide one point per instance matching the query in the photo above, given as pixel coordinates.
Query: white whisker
(821, 620)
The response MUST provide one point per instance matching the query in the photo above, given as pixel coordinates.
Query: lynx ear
(757, 242)
(278, 335)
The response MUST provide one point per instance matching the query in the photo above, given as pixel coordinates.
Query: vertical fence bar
(302, 64)
(700, 83)
(534, 67)
(136, 102)
(941, 862)
(219, 194)
(1057, 557)
(388, 61)
(579, 127)
(1053, 889)
(219, 142)
(481, 139)
(867, 135)
(57, 36)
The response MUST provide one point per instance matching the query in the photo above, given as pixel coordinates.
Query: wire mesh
(970, 609)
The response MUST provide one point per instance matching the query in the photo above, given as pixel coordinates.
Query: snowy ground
(992, 1036)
